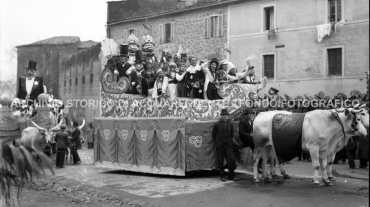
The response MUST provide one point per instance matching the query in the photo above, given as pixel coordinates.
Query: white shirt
(29, 84)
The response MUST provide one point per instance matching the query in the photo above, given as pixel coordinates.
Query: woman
(169, 86)
(181, 85)
(211, 83)
(75, 141)
(62, 143)
(90, 136)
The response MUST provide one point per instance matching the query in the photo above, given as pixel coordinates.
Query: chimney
(181, 4)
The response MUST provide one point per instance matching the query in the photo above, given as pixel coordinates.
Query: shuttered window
(269, 18)
(214, 26)
(335, 10)
(335, 62)
(167, 33)
(269, 66)
(125, 34)
(91, 78)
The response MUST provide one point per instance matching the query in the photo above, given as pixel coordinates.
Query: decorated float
(158, 135)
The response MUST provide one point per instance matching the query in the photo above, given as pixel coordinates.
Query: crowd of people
(178, 76)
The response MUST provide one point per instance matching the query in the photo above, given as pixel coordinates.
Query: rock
(134, 202)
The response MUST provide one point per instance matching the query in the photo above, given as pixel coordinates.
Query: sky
(27, 21)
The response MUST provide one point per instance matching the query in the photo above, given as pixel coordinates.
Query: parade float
(158, 135)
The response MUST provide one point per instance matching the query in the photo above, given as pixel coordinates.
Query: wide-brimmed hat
(32, 65)
(224, 112)
(273, 91)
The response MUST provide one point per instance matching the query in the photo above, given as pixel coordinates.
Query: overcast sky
(27, 21)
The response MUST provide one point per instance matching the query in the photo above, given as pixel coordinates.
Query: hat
(75, 124)
(184, 55)
(32, 65)
(123, 50)
(158, 71)
(169, 55)
(224, 112)
(139, 56)
(249, 111)
(273, 91)
(172, 64)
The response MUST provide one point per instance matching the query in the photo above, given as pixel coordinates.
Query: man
(138, 80)
(195, 79)
(123, 68)
(211, 79)
(62, 143)
(351, 151)
(223, 137)
(251, 78)
(246, 129)
(75, 143)
(30, 86)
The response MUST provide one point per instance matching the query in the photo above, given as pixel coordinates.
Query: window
(269, 18)
(335, 62)
(76, 81)
(70, 82)
(91, 78)
(83, 79)
(269, 66)
(214, 26)
(335, 10)
(131, 31)
(167, 32)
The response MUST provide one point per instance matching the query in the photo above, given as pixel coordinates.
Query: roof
(61, 40)
(86, 44)
(129, 10)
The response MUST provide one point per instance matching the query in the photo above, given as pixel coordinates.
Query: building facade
(293, 59)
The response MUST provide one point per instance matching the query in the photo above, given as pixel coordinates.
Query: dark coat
(62, 140)
(217, 134)
(192, 78)
(122, 69)
(75, 138)
(36, 89)
(363, 147)
(245, 131)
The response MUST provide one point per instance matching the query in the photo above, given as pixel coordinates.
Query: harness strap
(335, 114)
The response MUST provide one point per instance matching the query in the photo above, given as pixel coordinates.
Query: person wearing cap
(75, 141)
(180, 77)
(62, 143)
(30, 86)
(195, 79)
(169, 86)
(223, 137)
(211, 79)
(123, 68)
(246, 129)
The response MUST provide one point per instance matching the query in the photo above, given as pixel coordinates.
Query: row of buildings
(282, 35)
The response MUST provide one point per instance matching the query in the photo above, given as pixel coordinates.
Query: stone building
(49, 54)
(293, 59)
(291, 56)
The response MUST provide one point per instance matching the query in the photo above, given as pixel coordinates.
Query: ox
(324, 132)
(37, 136)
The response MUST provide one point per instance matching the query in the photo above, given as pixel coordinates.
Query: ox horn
(37, 126)
(83, 124)
(57, 126)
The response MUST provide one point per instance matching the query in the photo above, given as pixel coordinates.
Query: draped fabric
(141, 145)
(287, 136)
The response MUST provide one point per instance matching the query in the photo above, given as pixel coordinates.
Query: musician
(30, 86)
(211, 79)
(122, 66)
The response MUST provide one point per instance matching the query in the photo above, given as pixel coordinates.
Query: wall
(48, 58)
(302, 63)
(189, 31)
(84, 63)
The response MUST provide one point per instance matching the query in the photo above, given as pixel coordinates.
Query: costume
(223, 136)
(123, 68)
(133, 46)
(170, 83)
(195, 81)
(157, 89)
(211, 81)
(181, 85)
(148, 49)
(138, 80)
(30, 87)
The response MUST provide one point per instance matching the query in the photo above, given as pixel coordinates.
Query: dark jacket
(75, 138)
(245, 131)
(36, 89)
(122, 69)
(217, 134)
(62, 140)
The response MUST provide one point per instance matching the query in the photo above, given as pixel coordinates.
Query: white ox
(322, 136)
(37, 136)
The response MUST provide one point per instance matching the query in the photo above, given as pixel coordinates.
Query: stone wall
(300, 60)
(83, 65)
(189, 32)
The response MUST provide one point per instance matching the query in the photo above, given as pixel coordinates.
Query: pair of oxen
(324, 133)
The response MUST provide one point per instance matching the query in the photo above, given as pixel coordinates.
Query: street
(86, 185)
